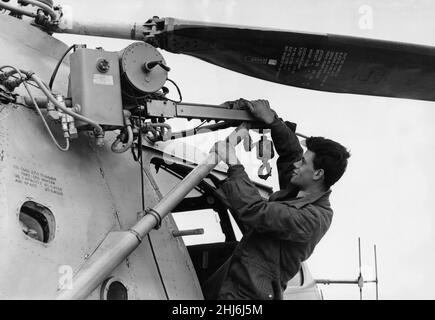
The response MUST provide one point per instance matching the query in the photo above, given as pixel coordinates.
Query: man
(282, 232)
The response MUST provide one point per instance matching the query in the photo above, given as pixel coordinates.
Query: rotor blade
(323, 62)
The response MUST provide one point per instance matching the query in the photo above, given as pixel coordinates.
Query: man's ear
(318, 174)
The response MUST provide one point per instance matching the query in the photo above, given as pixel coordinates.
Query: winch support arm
(170, 109)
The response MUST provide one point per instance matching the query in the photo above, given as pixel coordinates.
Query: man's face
(304, 174)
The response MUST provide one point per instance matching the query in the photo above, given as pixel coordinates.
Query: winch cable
(43, 87)
(143, 202)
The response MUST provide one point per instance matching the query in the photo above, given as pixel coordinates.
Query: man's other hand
(225, 152)
(261, 110)
(239, 104)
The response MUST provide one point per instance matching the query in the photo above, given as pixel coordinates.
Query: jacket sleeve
(288, 148)
(277, 218)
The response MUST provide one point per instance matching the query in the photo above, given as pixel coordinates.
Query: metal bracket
(156, 215)
(151, 28)
(169, 109)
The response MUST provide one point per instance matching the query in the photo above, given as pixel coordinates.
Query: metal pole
(376, 273)
(190, 232)
(360, 276)
(109, 30)
(118, 245)
(326, 281)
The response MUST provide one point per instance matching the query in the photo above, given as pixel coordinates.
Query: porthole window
(37, 221)
(114, 289)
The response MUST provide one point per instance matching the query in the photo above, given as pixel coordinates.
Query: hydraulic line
(209, 128)
(6, 75)
(202, 129)
(44, 89)
(43, 6)
(66, 148)
(17, 10)
(124, 146)
(10, 73)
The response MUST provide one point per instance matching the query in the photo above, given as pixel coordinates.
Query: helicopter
(93, 247)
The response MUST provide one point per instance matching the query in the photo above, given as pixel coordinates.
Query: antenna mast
(376, 274)
(360, 280)
(360, 277)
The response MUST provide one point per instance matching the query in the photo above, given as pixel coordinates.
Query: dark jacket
(280, 233)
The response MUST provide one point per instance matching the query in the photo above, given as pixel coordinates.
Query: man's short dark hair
(329, 156)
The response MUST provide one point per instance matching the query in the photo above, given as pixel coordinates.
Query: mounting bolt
(99, 138)
(103, 65)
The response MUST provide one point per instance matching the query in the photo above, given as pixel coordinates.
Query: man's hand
(261, 110)
(225, 152)
(239, 104)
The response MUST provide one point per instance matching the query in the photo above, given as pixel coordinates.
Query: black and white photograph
(224, 150)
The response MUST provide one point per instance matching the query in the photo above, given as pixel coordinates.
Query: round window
(37, 221)
(114, 289)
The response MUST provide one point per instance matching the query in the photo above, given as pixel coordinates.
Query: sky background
(386, 195)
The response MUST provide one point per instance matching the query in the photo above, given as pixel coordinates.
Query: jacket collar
(313, 197)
